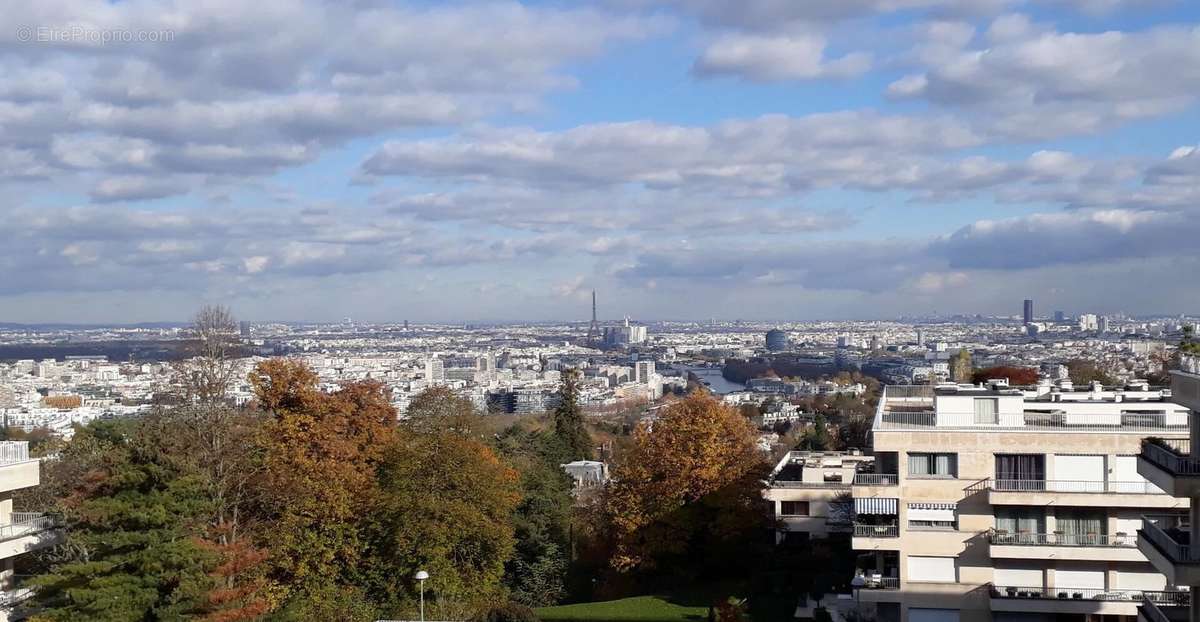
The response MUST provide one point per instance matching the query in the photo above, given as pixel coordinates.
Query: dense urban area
(612, 470)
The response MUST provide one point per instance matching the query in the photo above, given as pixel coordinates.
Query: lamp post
(420, 577)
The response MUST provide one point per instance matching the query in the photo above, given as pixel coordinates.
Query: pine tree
(568, 420)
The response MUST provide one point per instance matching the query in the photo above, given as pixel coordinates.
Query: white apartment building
(20, 532)
(1173, 464)
(810, 492)
(992, 502)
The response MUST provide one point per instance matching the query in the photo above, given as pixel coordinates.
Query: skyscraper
(1028, 311)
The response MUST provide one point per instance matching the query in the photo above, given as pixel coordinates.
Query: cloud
(1032, 82)
(777, 58)
(242, 90)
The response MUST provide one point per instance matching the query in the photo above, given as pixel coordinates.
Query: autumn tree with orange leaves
(687, 498)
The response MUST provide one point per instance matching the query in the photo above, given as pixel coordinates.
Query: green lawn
(635, 609)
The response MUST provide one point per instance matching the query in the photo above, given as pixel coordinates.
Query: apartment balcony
(876, 537)
(1151, 611)
(876, 479)
(17, 469)
(878, 589)
(1064, 547)
(1166, 543)
(28, 531)
(1121, 494)
(1068, 600)
(1185, 382)
(925, 418)
(1167, 462)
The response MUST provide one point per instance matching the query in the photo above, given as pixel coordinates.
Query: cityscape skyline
(883, 158)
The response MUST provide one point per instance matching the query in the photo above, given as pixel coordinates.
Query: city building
(587, 473)
(995, 502)
(625, 334)
(435, 371)
(810, 492)
(1028, 311)
(777, 340)
(20, 532)
(1089, 322)
(1059, 316)
(1173, 464)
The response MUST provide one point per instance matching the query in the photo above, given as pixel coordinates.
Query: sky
(303, 160)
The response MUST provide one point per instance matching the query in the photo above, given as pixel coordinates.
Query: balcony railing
(26, 523)
(1074, 593)
(918, 418)
(793, 484)
(1170, 535)
(1156, 610)
(1171, 455)
(1189, 363)
(1065, 485)
(876, 582)
(1061, 539)
(14, 451)
(876, 479)
(876, 531)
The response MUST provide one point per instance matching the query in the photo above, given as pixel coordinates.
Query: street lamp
(420, 577)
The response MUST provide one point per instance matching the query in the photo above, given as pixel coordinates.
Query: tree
(569, 427)
(1083, 372)
(1016, 376)
(133, 521)
(321, 453)
(536, 573)
(816, 436)
(205, 376)
(960, 366)
(445, 506)
(687, 497)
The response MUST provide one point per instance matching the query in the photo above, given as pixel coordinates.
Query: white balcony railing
(1061, 539)
(26, 523)
(1064, 485)
(1141, 423)
(876, 531)
(1074, 593)
(14, 451)
(876, 479)
(1189, 363)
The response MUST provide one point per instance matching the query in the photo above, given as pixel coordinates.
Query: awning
(875, 505)
(941, 512)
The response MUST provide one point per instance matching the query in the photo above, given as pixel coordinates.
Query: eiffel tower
(594, 329)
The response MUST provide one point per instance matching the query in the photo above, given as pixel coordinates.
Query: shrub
(508, 612)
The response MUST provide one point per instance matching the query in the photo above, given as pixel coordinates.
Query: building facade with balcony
(810, 492)
(20, 532)
(1172, 462)
(996, 502)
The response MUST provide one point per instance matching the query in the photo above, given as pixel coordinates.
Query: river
(716, 382)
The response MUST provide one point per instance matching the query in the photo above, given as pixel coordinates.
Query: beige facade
(20, 532)
(1012, 503)
(1173, 464)
(810, 492)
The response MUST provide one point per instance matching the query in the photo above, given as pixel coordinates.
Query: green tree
(569, 427)
(960, 366)
(445, 506)
(134, 520)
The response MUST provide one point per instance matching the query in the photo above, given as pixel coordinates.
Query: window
(932, 516)
(1025, 467)
(1081, 526)
(793, 508)
(933, 465)
(1019, 523)
(939, 569)
(987, 410)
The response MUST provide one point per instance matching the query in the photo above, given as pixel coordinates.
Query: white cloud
(778, 58)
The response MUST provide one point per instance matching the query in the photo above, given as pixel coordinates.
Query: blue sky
(495, 161)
